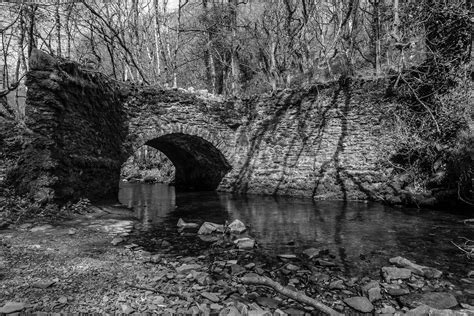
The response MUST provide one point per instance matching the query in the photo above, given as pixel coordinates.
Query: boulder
(360, 303)
(237, 227)
(427, 272)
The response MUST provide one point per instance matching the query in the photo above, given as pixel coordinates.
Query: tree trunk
(58, 27)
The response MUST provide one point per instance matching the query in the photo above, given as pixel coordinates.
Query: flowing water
(362, 236)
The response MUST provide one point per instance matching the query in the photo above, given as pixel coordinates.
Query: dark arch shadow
(199, 164)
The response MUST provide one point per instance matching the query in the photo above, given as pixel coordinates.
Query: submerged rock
(360, 303)
(427, 272)
(438, 300)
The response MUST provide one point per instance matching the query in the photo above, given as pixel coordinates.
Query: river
(361, 235)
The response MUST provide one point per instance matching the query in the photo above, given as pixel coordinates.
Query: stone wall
(77, 130)
(327, 142)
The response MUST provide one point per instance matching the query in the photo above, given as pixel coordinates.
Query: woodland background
(239, 48)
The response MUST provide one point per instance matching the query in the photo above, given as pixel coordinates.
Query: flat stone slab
(12, 307)
(360, 303)
(393, 273)
(438, 300)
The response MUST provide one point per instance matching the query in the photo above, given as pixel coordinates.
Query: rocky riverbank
(101, 262)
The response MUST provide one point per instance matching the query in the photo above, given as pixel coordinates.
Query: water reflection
(362, 236)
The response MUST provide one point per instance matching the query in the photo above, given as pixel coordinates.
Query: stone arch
(201, 159)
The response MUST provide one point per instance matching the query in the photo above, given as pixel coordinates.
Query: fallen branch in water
(468, 247)
(148, 288)
(297, 296)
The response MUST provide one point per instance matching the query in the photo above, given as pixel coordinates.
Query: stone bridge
(325, 142)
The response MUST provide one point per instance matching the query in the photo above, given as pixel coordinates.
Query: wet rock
(165, 244)
(294, 311)
(292, 267)
(237, 227)
(43, 284)
(467, 306)
(366, 287)
(438, 300)
(427, 310)
(374, 294)
(230, 311)
(250, 265)
(41, 228)
(337, 285)
(210, 296)
(236, 269)
(311, 252)
(209, 238)
(182, 224)
(209, 228)
(267, 302)
(244, 243)
(185, 268)
(360, 303)
(387, 310)
(126, 309)
(255, 312)
(325, 263)
(427, 272)
(393, 273)
(397, 291)
(287, 256)
(116, 241)
(12, 307)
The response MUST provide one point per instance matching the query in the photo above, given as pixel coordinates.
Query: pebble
(41, 228)
(116, 241)
(210, 296)
(250, 265)
(337, 285)
(185, 268)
